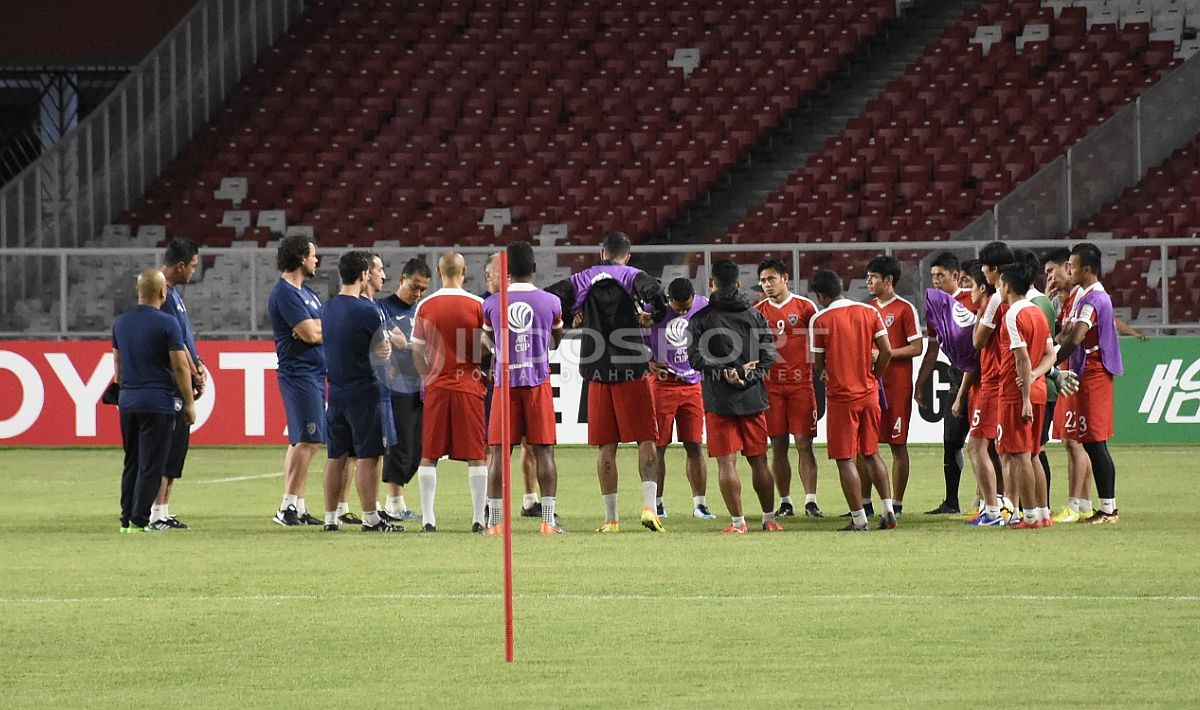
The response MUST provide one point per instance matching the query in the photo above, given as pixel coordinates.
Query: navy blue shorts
(304, 402)
(354, 430)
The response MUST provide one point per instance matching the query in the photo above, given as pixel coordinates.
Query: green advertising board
(1158, 399)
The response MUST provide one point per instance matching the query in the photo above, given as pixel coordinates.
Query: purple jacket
(582, 282)
(954, 325)
(669, 342)
(532, 315)
(1106, 329)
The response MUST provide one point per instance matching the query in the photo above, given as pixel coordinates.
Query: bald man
(155, 378)
(445, 343)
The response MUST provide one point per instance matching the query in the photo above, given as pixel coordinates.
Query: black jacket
(728, 333)
(612, 344)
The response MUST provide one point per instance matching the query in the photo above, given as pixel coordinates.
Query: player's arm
(648, 290)
(1072, 337)
(766, 354)
(183, 382)
(960, 400)
(818, 366)
(556, 334)
(565, 292)
(885, 353)
(1047, 361)
(986, 324)
(1025, 380)
(308, 331)
(928, 361)
(1125, 329)
(116, 365)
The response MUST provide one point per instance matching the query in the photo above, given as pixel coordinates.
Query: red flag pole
(502, 389)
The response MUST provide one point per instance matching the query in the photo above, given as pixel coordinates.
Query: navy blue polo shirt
(145, 336)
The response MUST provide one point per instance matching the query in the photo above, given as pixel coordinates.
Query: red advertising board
(50, 394)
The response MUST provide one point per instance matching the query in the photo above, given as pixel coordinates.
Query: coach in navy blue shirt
(353, 334)
(295, 312)
(179, 265)
(404, 384)
(156, 391)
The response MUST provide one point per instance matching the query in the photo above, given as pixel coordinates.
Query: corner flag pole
(502, 389)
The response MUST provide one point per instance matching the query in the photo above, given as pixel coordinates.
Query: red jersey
(845, 332)
(1087, 314)
(900, 320)
(963, 296)
(1025, 326)
(449, 324)
(991, 357)
(789, 322)
(1063, 318)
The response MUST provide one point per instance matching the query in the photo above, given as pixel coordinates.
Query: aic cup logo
(520, 317)
(677, 334)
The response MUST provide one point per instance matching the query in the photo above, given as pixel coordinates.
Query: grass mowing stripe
(232, 479)
(615, 598)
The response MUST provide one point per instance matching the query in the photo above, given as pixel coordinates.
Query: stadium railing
(108, 161)
(83, 290)
(1112, 157)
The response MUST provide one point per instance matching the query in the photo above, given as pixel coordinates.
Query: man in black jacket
(732, 345)
(611, 303)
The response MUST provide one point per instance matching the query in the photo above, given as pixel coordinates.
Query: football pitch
(238, 610)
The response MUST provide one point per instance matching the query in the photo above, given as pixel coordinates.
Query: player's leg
(852, 490)
(779, 433)
(689, 422)
(666, 409)
(180, 440)
(400, 461)
(547, 475)
(371, 440)
(894, 428)
(530, 507)
(781, 470)
(153, 431)
(304, 404)
(1105, 473)
(648, 466)
(985, 478)
(697, 475)
(339, 444)
(343, 508)
(954, 438)
(1016, 464)
(869, 419)
(731, 491)
(495, 483)
(764, 487)
(1043, 439)
(660, 479)
(129, 442)
(808, 475)
(604, 434)
(436, 422)
(606, 472)
(900, 469)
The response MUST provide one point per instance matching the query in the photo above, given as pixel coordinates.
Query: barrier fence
(79, 292)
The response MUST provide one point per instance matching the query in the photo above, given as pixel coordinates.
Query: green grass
(240, 611)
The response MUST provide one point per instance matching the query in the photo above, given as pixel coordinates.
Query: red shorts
(1018, 436)
(619, 412)
(452, 425)
(679, 406)
(530, 416)
(730, 435)
(893, 423)
(1090, 415)
(793, 410)
(1058, 427)
(852, 428)
(985, 415)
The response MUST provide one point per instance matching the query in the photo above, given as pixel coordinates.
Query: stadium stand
(369, 123)
(1002, 93)
(1166, 203)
